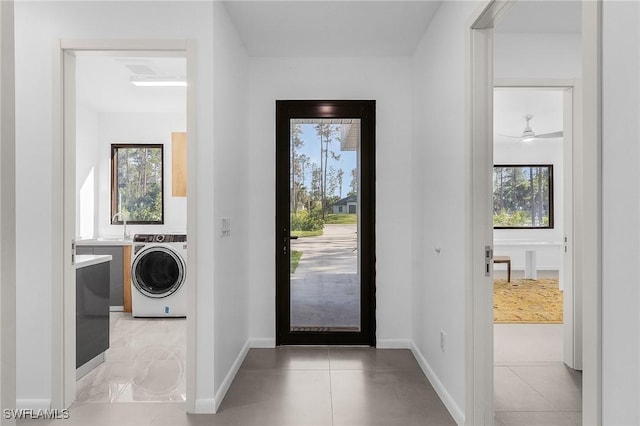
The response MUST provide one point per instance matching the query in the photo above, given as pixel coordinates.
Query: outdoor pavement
(325, 289)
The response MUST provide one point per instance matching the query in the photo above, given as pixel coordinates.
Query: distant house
(346, 205)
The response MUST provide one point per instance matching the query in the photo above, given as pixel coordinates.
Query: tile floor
(545, 394)
(145, 362)
(331, 386)
(316, 386)
(296, 386)
(532, 385)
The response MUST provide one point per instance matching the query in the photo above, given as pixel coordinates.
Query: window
(137, 184)
(523, 196)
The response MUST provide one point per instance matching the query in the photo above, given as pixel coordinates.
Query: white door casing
(7, 213)
(479, 341)
(63, 203)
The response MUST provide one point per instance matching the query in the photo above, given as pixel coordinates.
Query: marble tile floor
(145, 362)
(296, 386)
(532, 386)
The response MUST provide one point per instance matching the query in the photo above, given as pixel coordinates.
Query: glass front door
(325, 279)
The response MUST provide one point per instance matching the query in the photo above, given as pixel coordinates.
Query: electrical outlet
(443, 338)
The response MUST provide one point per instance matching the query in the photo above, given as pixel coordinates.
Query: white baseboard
(205, 406)
(33, 404)
(226, 384)
(448, 401)
(262, 343)
(211, 405)
(394, 344)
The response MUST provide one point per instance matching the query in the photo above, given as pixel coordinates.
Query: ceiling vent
(143, 67)
(140, 69)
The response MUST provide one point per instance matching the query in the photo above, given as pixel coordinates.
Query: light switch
(226, 226)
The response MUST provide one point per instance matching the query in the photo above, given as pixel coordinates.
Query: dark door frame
(365, 110)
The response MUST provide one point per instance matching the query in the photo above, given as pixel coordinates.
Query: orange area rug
(525, 301)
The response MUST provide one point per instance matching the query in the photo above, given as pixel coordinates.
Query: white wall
(87, 166)
(138, 128)
(621, 214)
(387, 80)
(536, 55)
(232, 193)
(94, 20)
(440, 206)
(538, 152)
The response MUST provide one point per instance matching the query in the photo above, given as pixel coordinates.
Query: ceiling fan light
(528, 139)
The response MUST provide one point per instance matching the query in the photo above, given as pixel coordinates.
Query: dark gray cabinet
(116, 288)
(92, 312)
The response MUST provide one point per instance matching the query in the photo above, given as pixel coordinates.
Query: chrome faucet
(125, 236)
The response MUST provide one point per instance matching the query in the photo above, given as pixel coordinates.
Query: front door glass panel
(324, 223)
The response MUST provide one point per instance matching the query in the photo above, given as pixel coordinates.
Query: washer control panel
(159, 238)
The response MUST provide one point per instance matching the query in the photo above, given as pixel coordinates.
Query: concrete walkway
(325, 289)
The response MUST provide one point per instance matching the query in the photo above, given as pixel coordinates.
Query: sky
(311, 148)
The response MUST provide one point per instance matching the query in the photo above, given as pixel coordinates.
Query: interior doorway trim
(63, 378)
(479, 336)
(7, 210)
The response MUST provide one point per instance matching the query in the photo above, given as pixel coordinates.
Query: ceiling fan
(528, 134)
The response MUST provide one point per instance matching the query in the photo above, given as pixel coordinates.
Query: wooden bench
(507, 260)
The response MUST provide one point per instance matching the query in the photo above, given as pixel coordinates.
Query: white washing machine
(159, 275)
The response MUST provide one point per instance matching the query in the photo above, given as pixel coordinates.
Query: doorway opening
(534, 321)
(136, 119)
(325, 218)
(103, 108)
(588, 263)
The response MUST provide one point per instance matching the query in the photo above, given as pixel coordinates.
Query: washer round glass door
(158, 271)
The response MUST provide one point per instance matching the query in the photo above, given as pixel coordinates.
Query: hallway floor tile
(532, 385)
(295, 386)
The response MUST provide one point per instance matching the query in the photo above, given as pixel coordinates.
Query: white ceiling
(103, 83)
(371, 28)
(331, 28)
(302, 28)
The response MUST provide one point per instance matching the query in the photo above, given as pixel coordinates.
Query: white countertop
(527, 243)
(103, 241)
(84, 260)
